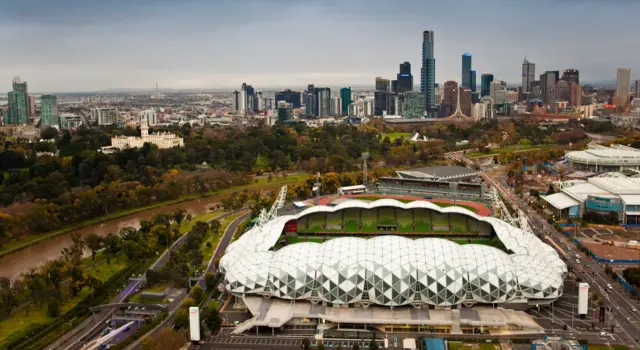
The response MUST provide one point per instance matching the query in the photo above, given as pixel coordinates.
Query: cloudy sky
(84, 45)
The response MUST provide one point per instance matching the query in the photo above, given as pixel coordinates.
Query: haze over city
(85, 46)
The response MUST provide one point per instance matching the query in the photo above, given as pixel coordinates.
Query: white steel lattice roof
(393, 270)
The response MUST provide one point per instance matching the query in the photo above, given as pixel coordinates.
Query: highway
(225, 240)
(93, 326)
(625, 319)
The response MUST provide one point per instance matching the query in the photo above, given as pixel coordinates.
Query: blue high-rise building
(428, 70)
(345, 97)
(404, 81)
(466, 70)
(473, 81)
(485, 84)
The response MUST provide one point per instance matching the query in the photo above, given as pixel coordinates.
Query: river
(13, 265)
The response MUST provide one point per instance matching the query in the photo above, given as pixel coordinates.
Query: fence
(627, 286)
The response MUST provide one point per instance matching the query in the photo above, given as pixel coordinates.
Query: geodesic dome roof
(390, 269)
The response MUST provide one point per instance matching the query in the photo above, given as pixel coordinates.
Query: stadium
(374, 262)
(602, 159)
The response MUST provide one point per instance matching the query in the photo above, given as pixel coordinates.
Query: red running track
(480, 208)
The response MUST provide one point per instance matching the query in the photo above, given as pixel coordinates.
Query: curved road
(92, 327)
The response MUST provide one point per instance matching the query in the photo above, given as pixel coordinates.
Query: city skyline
(64, 47)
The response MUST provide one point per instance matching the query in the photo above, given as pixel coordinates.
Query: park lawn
(188, 225)
(26, 241)
(103, 271)
(157, 288)
(34, 314)
(207, 252)
(512, 148)
(395, 135)
(264, 180)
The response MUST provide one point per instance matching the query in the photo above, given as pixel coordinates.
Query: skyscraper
(571, 76)
(48, 110)
(290, 96)
(528, 75)
(637, 85)
(19, 108)
(382, 85)
(404, 80)
(466, 70)
(547, 85)
(345, 96)
(485, 84)
(323, 101)
(310, 100)
(428, 70)
(473, 81)
(623, 85)
(576, 95)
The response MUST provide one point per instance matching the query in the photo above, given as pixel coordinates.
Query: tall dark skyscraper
(345, 96)
(466, 70)
(473, 81)
(404, 81)
(289, 96)
(428, 70)
(485, 84)
(528, 75)
(571, 76)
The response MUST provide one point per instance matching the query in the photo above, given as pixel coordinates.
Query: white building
(162, 140)
(148, 116)
(105, 116)
(478, 111)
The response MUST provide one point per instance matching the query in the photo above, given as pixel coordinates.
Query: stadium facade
(601, 158)
(391, 270)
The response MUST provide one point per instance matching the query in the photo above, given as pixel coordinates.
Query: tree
(373, 345)
(356, 346)
(209, 280)
(112, 245)
(197, 294)
(169, 339)
(53, 307)
(214, 226)
(148, 344)
(306, 344)
(94, 243)
(179, 215)
(49, 133)
(132, 250)
(213, 319)
(181, 318)
(320, 345)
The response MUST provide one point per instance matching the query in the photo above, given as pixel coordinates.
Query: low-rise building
(162, 140)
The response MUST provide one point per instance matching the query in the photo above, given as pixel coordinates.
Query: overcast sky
(83, 45)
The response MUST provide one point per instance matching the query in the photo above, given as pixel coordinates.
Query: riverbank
(31, 240)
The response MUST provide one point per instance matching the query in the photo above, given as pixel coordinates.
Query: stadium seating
(387, 216)
(316, 222)
(351, 220)
(440, 222)
(334, 222)
(458, 223)
(369, 221)
(405, 221)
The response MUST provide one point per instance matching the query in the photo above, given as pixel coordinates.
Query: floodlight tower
(365, 156)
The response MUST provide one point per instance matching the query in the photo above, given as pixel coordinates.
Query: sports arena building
(439, 181)
(387, 263)
(601, 159)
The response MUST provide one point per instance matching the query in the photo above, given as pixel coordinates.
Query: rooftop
(438, 171)
(617, 186)
(582, 191)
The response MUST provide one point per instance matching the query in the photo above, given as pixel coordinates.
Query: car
(634, 309)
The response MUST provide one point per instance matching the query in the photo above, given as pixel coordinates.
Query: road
(625, 319)
(227, 236)
(93, 326)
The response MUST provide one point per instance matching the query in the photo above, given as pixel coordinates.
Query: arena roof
(602, 155)
(390, 269)
(436, 172)
(581, 191)
(560, 200)
(618, 186)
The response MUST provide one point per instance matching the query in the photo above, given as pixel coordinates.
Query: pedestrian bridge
(158, 307)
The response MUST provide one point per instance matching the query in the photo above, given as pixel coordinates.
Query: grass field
(103, 271)
(137, 298)
(207, 252)
(34, 314)
(512, 148)
(396, 135)
(320, 239)
(605, 347)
